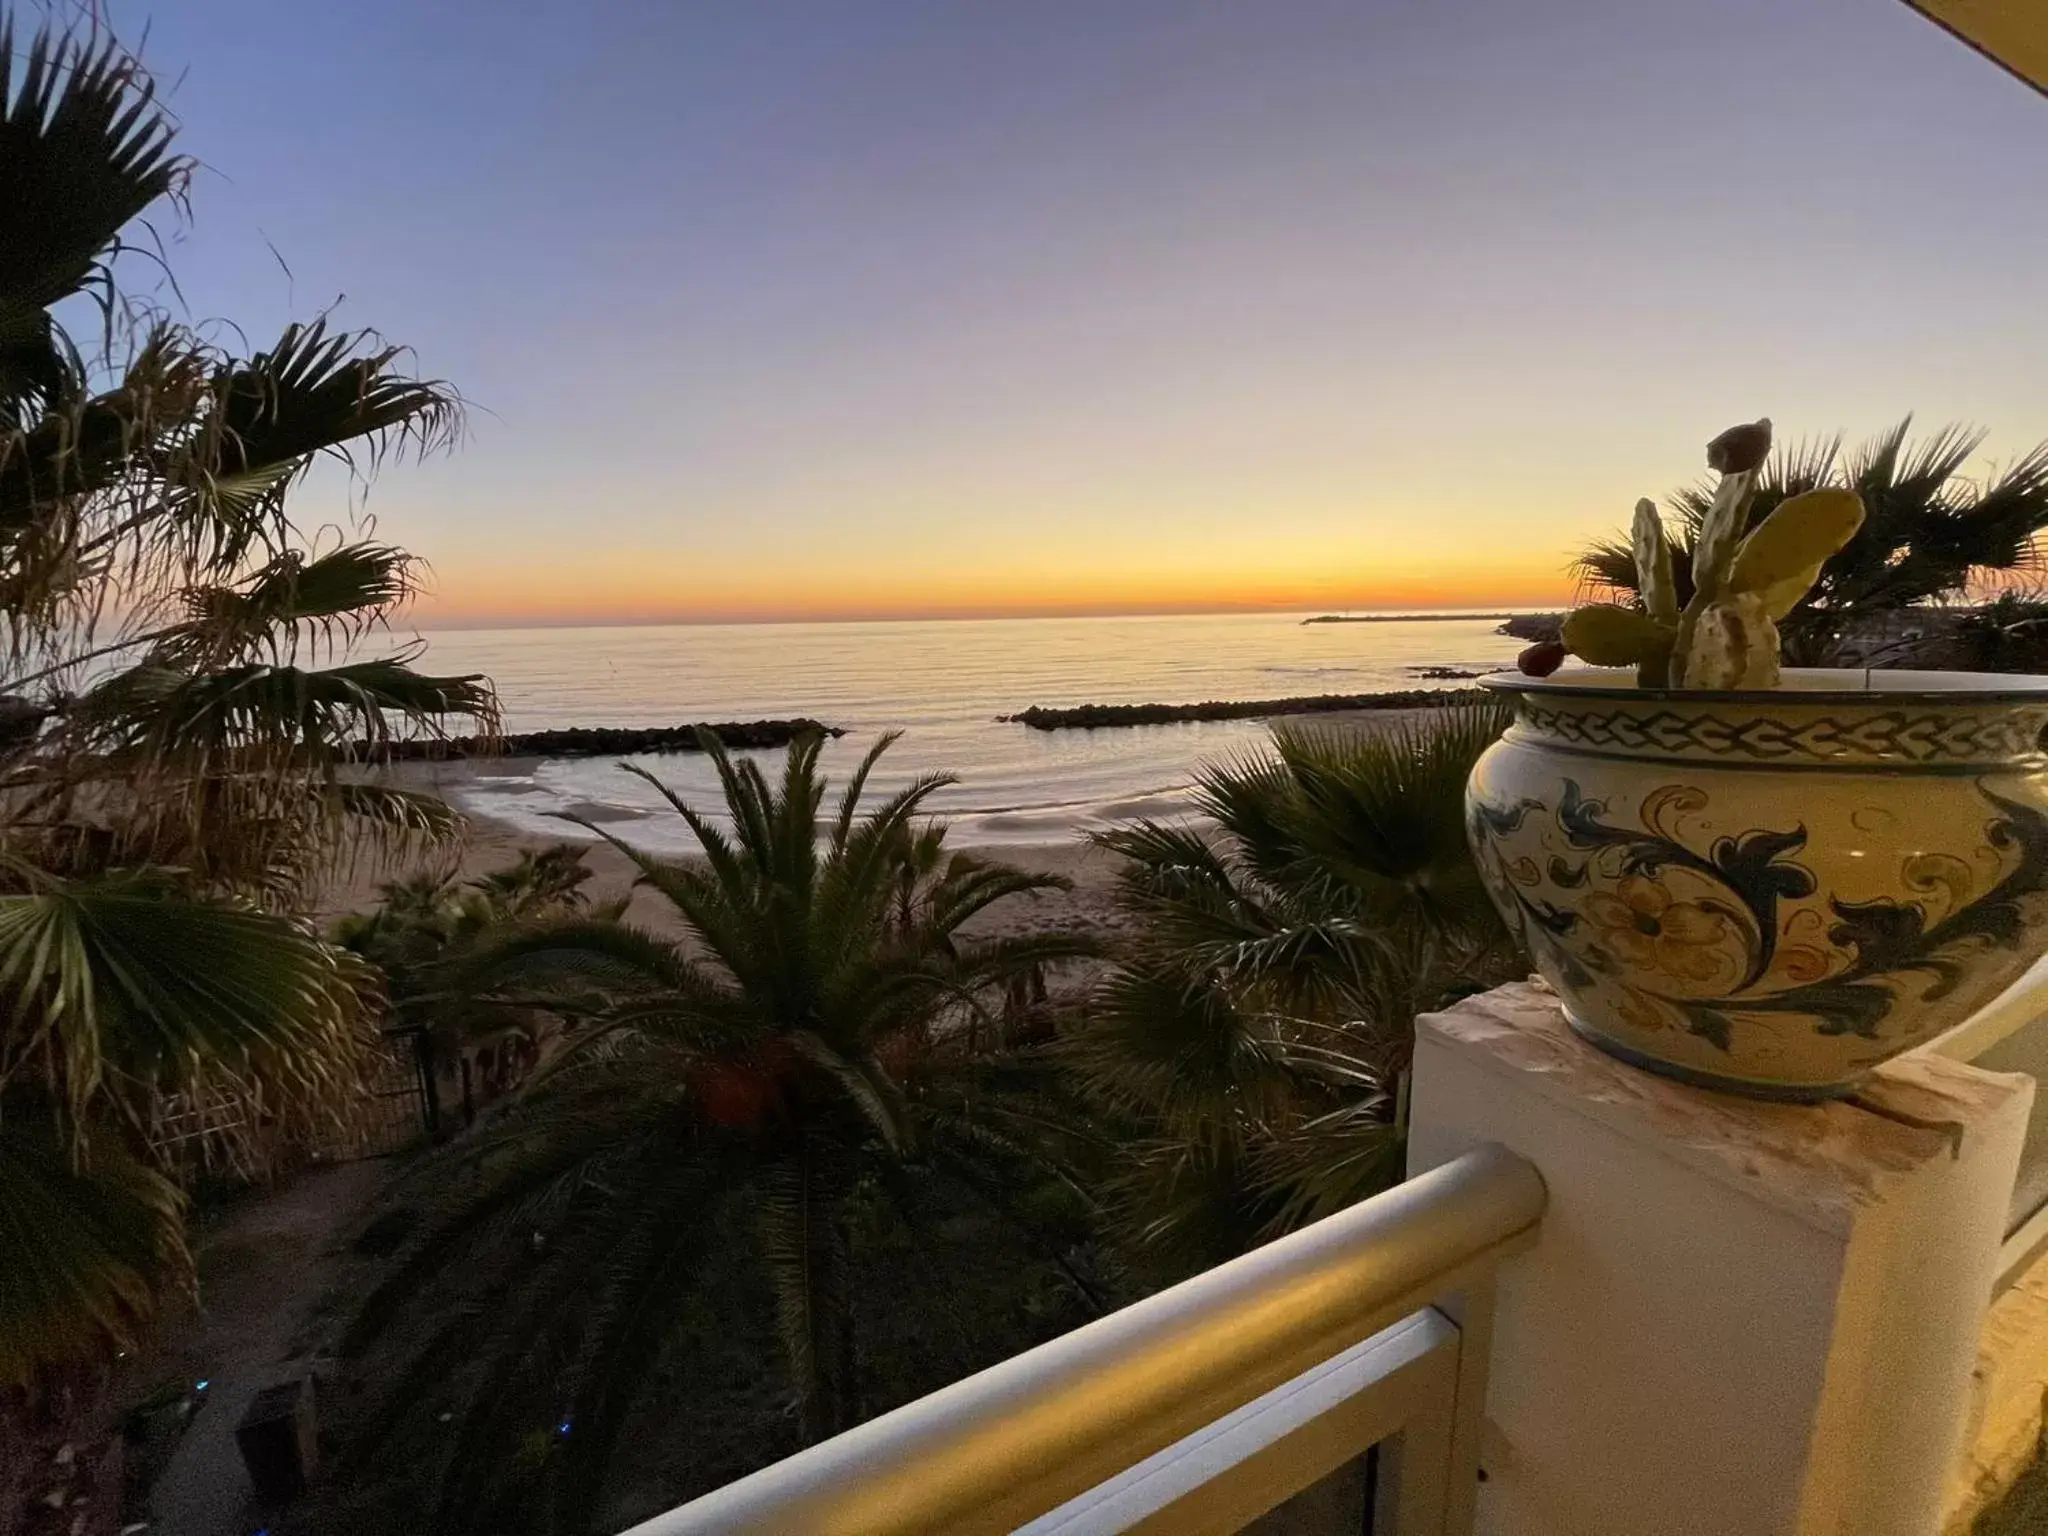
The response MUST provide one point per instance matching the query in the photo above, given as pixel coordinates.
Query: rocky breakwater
(1533, 626)
(598, 741)
(1089, 717)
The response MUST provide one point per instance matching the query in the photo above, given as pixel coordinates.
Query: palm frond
(322, 391)
(1181, 1052)
(84, 149)
(407, 812)
(856, 786)
(90, 1239)
(291, 600)
(1331, 1162)
(124, 989)
(864, 1083)
(718, 848)
(202, 720)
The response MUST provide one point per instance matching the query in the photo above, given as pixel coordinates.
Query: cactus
(1796, 538)
(1608, 635)
(1727, 635)
(1734, 645)
(1653, 565)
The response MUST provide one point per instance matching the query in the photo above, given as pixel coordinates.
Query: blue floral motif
(1750, 877)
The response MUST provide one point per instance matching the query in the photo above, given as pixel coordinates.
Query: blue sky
(881, 307)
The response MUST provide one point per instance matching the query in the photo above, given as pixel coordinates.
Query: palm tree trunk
(846, 1353)
(828, 1397)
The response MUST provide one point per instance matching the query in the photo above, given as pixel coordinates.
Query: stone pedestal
(1741, 1318)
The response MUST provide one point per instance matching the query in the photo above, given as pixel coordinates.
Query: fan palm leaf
(166, 717)
(317, 392)
(333, 599)
(84, 149)
(1280, 954)
(121, 988)
(120, 991)
(91, 1240)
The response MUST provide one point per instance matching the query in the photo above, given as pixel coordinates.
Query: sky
(865, 308)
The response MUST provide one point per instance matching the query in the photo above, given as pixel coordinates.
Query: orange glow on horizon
(511, 599)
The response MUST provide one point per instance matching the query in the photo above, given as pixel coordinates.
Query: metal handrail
(1023, 1437)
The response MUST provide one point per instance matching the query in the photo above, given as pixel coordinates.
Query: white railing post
(1742, 1319)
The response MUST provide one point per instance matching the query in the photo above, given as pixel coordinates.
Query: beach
(489, 843)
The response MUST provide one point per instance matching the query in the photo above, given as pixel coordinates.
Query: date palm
(1255, 1031)
(1931, 531)
(799, 1052)
(175, 707)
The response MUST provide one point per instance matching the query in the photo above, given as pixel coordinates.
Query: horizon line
(426, 621)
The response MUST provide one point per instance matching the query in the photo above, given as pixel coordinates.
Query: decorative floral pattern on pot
(1761, 929)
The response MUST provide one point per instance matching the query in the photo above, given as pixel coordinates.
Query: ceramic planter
(1769, 892)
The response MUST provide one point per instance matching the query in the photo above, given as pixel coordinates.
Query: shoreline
(492, 842)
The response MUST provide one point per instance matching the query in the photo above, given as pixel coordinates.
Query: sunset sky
(870, 307)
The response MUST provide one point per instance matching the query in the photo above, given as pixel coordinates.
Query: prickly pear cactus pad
(1744, 579)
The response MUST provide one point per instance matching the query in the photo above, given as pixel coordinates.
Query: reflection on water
(941, 684)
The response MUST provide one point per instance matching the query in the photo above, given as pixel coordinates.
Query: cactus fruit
(1741, 448)
(1727, 635)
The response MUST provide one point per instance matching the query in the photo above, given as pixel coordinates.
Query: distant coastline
(1404, 618)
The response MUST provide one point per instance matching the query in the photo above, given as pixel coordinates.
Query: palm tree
(172, 753)
(797, 1054)
(1254, 1034)
(424, 933)
(427, 927)
(1930, 531)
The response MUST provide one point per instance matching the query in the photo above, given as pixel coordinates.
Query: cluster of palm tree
(426, 927)
(1252, 1040)
(809, 1052)
(810, 1062)
(180, 696)
(1932, 532)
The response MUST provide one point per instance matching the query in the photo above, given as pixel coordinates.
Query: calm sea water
(942, 684)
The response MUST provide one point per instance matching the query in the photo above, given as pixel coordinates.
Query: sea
(943, 684)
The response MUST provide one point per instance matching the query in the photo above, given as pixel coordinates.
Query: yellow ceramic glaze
(1770, 892)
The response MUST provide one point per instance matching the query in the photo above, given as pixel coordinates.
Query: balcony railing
(1205, 1406)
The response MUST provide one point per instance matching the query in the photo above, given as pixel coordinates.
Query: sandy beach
(489, 844)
